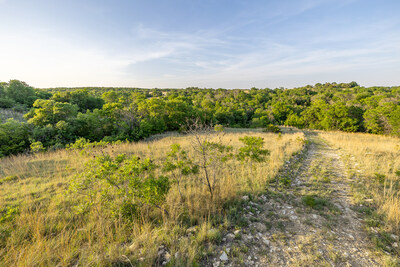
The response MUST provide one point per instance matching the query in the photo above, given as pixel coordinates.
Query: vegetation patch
(315, 202)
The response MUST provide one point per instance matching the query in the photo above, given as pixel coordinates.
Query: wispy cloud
(262, 43)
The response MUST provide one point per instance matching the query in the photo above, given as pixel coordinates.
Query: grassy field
(38, 226)
(376, 170)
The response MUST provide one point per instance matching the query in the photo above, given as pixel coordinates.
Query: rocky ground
(306, 219)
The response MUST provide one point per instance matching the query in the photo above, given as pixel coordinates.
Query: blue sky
(204, 43)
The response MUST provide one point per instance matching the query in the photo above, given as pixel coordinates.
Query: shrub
(314, 202)
(272, 129)
(122, 186)
(37, 147)
(178, 164)
(252, 149)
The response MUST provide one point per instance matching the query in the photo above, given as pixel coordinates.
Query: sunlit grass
(377, 164)
(42, 230)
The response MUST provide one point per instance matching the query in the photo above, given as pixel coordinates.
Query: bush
(37, 147)
(14, 137)
(252, 149)
(314, 202)
(122, 186)
(272, 129)
(6, 103)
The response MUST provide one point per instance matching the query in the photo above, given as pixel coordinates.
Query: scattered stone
(160, 251)
(167, 257)
(228, 250)
(223, 256)
(395, 245)
(293, 218)
(247, 238)
(260, 227)
(216, 264)
(230, 237)
(395, 237)
(266, 241)
(245, 198)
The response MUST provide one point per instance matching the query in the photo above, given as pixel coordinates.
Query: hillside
(55, 118)
(314, 198)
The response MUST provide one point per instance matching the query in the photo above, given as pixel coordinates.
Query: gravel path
(308, 222)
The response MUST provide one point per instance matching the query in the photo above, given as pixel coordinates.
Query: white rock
(266, 241)
(230, 237)
(228, 250)
(260, 227)
(245, 198)
(216, 264)
(223, 256)
(192, 229)
(167, 257)
(395, 245)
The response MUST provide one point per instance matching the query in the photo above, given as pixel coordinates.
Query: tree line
(56, 117)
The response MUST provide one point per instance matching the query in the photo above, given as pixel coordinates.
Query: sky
(202, 43)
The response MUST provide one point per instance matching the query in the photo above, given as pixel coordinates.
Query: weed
(315, 202)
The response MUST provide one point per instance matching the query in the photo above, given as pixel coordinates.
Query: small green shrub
(179, 165)
(252, 149)
(8, 214)
(37, 147)
(272, 129)
(219, 128)
(122, 186)
(380, 178)
(315, 202)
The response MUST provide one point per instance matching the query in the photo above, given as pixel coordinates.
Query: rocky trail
(308, 220)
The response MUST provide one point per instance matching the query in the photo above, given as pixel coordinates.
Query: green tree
(50, 112)
(14, 137)
(20, 92)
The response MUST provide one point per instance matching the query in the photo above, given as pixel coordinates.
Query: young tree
(252, 151)
(211, 154)
(179, 165)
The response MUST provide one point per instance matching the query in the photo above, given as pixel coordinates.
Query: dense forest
(56, 117)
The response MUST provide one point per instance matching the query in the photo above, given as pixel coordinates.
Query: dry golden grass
(375, 155)
(44, 231)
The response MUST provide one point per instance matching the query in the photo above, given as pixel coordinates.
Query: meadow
(374, 167)
(40, 227)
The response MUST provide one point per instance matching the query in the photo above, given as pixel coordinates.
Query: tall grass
(39, 227)
(377, 160)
